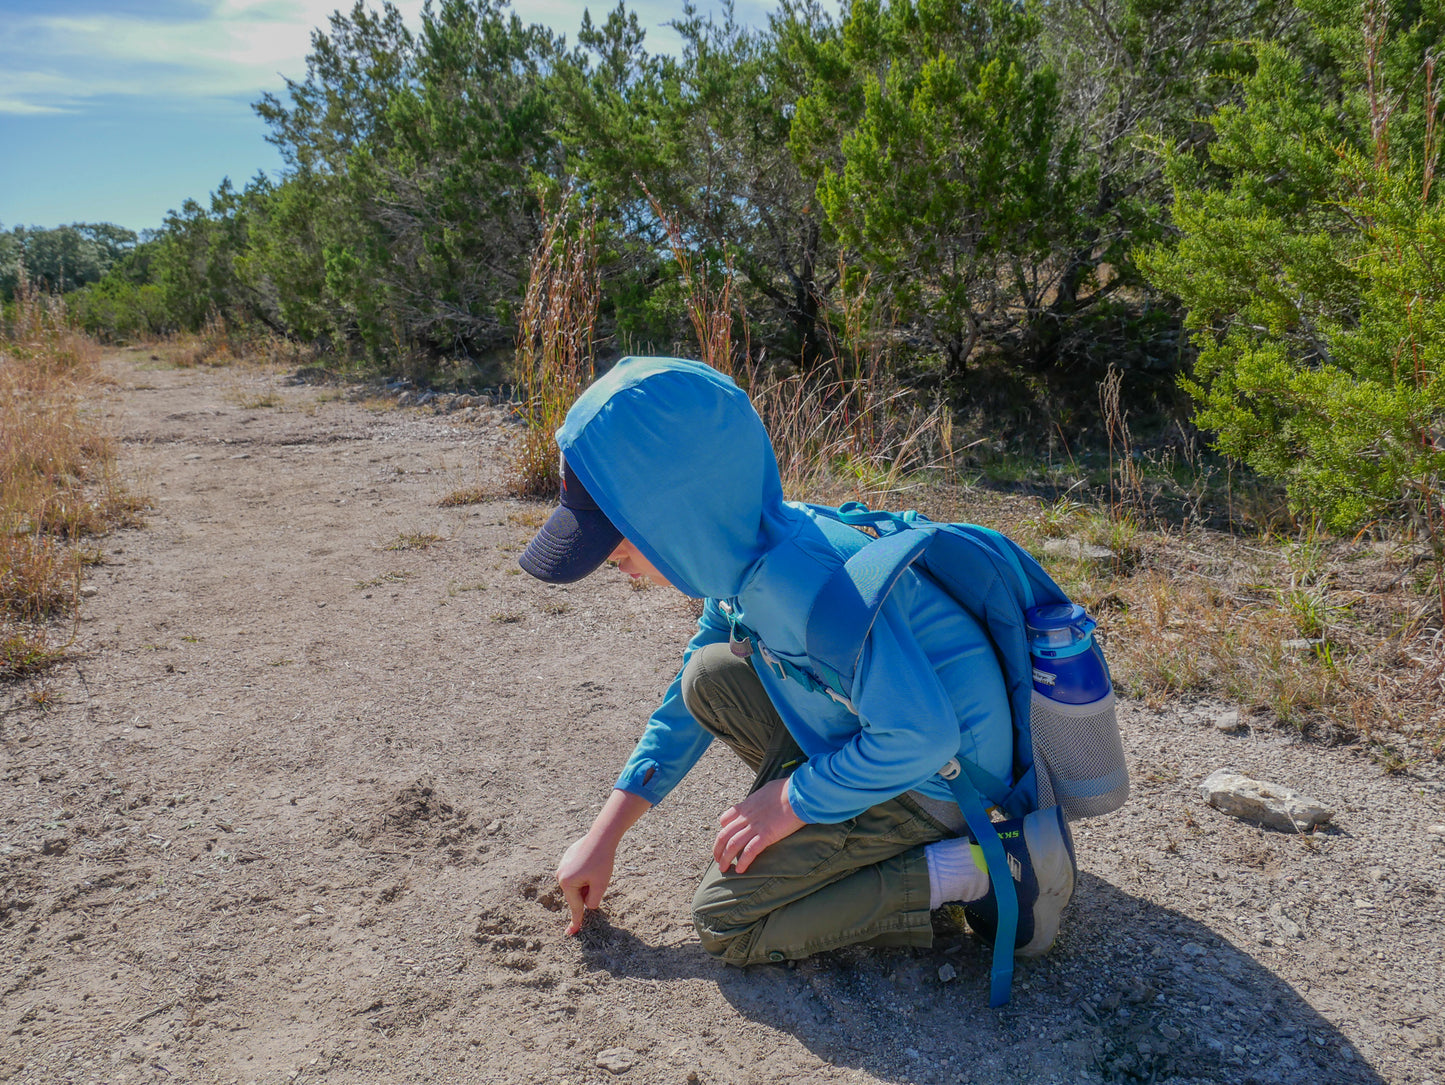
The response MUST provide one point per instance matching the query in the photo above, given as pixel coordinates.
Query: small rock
(493, 828)
(1274, 805)
(90, 591)
(1228, 722)
(692, 1078)
(947, 973)
(1078, 550)
(1192, 949)
(194, 456)
(54, 845)
(617, 1060)
(1436, 830)
(1287, 926)
(1169, 1032)
(910, 1052)
(303, 920)
(241, 456)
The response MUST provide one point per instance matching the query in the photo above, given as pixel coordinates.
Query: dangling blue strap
(1001, 879)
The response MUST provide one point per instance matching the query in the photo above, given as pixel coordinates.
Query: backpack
(1065, 755)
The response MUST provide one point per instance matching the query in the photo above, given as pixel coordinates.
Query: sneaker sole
(1045, 834)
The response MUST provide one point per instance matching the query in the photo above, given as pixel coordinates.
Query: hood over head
(675, 456)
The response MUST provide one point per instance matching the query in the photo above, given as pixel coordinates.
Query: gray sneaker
(1040, 854)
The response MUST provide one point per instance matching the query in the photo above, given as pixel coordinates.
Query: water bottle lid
(1058, 630)
(1052, 616)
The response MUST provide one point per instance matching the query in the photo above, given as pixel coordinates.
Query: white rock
(1078, 550)
(1274, 805)
(947, 973)
(1436, 830)
(617, 1060)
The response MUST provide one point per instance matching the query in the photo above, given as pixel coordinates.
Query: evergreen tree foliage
(1311, 260)
(952, 181)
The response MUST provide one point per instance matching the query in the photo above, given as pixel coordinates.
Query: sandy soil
(291, 814)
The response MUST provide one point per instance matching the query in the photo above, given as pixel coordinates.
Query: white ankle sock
(956, 871)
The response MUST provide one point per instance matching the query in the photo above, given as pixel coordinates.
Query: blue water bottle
(1068, 666)
(1078, 750)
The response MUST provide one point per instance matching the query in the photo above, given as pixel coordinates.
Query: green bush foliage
(1311, 261)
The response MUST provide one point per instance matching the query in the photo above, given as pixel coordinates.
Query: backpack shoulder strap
(844, 611)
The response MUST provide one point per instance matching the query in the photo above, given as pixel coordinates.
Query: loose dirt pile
(291, 812)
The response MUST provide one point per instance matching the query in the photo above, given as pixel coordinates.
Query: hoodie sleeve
(673, 740)
(907, 730)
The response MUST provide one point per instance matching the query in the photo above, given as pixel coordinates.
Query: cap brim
(571, 544)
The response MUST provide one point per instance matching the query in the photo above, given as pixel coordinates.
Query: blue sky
(119, 110)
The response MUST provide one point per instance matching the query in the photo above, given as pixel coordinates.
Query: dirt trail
(293, 815)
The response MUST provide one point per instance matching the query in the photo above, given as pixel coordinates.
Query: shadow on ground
(1133, 992)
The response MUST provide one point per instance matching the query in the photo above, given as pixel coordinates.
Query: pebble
(1274, 805)
(1169, 1032)
(194, 456)
(947, 973)
(1192, 949)
(617, 1060)
(1436, 830)
(89, 591)
(241, 456)
(493, 828)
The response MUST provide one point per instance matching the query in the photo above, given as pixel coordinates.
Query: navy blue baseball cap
(576, 538)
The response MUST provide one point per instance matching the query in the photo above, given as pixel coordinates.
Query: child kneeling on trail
(848, 835)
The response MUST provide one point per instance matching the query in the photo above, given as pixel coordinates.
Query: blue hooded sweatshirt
(675, 456)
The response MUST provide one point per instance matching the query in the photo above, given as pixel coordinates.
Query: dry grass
(555, 350)
(58, 481)
(466, 495)
(217, 344)
(1329, 638)
(413, 540)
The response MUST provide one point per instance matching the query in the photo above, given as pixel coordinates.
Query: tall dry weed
(555, 346)
(711, 300)
(58, 481)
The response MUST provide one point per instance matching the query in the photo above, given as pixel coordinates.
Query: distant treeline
(991, 166)
(1049, 184)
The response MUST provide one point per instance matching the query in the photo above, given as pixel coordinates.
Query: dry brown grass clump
(58, 482)
(555, 350)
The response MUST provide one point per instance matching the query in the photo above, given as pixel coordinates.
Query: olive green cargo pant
(862, 881)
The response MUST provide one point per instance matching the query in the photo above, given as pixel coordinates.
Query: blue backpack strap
(844, 611)
(1005, 896)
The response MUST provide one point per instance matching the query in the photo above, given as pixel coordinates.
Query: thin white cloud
(235, 49)
(241, 48)
(19, 107)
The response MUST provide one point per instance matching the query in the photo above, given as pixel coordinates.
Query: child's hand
(758, 822)
(583, 874)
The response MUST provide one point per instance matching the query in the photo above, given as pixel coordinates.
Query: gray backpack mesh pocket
(1079, 756)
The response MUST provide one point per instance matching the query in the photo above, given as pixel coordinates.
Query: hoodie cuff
(641, 778)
